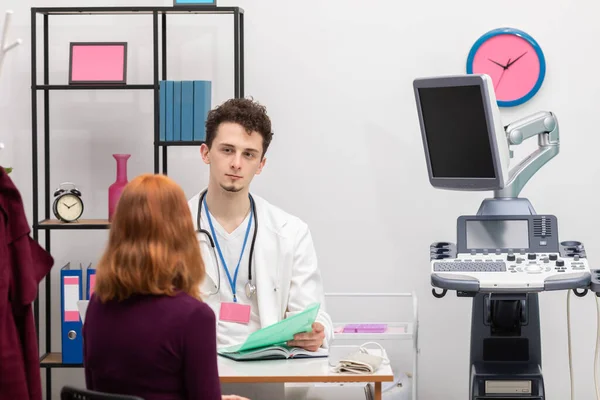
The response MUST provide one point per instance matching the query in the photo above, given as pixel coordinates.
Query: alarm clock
(68, 205)
(514, 61)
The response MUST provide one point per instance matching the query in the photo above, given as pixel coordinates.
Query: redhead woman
(147, 332)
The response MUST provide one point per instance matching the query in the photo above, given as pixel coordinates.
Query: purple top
(154, 347)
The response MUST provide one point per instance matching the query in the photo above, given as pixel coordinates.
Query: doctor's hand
(310, 341)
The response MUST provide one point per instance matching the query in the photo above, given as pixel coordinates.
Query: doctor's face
(235, 157)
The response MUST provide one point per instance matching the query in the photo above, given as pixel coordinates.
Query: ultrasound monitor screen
(456, 132)
(498, 234)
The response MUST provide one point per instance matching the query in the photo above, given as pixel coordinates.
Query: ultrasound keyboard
(508, 271)
(475, 266)
(509, 253)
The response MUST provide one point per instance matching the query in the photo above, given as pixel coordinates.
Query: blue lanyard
(233, 281)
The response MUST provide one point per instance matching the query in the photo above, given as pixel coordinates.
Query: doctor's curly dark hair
(247, 112)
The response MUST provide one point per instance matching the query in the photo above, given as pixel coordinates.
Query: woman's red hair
(152, 247)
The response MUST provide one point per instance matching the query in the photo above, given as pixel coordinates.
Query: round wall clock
(513, 60)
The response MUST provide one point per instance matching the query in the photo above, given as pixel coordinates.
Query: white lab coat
(285, 269)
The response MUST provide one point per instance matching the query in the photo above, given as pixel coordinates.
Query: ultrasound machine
(505, 254)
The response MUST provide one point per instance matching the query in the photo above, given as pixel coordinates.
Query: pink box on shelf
(365, 328)
(98, 63)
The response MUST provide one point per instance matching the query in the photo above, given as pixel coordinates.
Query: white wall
(347, 156)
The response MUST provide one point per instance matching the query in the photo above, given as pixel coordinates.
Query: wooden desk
(300, 370)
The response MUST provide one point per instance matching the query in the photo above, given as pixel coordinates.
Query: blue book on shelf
(90, 281)
(177, 110)
(169, 111)
(162, 94)
(202, 105)
(71, 291)
(187, 110)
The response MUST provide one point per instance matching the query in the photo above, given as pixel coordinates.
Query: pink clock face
(511, 62)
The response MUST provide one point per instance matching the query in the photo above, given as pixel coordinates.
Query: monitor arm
(542, 124)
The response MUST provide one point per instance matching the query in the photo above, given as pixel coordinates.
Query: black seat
(72, 393)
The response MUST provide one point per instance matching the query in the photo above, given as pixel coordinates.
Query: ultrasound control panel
(508, 253)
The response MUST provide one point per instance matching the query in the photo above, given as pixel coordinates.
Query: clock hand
(497, 63)
(66, 205)
(515, 60)
(499, 79)
(501, 75)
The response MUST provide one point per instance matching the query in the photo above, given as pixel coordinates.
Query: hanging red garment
(23, 264)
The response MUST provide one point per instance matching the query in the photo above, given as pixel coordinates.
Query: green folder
(277, 334)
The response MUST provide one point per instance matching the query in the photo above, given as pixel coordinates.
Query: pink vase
(114, 190)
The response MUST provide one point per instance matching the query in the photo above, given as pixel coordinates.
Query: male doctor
(285, 278)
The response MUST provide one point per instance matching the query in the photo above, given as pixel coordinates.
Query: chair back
(72, 393)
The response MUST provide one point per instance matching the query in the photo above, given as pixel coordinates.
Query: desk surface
(298, 370)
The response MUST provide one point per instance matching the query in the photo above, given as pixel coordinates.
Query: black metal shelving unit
(53, 359)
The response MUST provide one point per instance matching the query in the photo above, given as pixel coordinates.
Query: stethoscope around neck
(250, 287)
